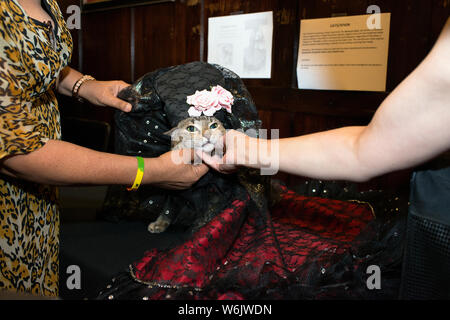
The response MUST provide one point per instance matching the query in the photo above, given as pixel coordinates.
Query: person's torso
(44, 51)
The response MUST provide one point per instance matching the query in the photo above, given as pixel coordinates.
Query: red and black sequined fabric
(308, 248)
(238, 247)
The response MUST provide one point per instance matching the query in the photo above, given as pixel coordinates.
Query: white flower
(193, 112)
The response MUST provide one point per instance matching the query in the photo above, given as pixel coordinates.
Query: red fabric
(305, 227)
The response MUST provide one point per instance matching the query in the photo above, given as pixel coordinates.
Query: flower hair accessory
(208, 102)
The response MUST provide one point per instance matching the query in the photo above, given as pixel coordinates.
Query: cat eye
(191, 129)
(213, 126)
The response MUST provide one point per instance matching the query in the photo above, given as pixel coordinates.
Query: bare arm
(100, 93)
(63, 163)
(410, 127)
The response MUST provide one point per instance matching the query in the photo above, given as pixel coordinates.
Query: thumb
(119, 104)
(200, 170)
(122, 85)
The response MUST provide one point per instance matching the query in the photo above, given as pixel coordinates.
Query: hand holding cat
(104, 93)
(176, 175)
(237, 148)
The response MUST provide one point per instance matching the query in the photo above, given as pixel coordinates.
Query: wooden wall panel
(107, 44)
(154, 36)
(165, 34)
(189, 31)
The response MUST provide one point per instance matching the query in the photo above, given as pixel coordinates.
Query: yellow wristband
(139, 175)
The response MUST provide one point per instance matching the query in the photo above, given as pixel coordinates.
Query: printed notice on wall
(344, 53)
(242, 43)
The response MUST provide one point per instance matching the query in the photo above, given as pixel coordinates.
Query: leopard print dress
(31, 58)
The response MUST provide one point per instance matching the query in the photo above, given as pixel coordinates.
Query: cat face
(202, 132)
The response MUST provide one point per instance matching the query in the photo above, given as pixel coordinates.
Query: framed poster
(343, 53)
(96, 5)
(242, 43)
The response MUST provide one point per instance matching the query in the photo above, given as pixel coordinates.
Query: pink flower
(204, 102)
(226, 99)
(208, 102)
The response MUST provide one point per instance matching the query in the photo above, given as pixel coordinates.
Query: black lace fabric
(242, 242)
(159, 103)
(427, 260)
(425, 274)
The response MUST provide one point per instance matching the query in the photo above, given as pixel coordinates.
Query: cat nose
(207, 135)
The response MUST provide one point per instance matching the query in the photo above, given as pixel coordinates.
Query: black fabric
(159, 103)
(426, 268)
(430, 195)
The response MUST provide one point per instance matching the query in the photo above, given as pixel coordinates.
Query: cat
(201, 133)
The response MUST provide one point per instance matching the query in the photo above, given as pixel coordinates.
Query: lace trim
(366, 203)
(160, 285)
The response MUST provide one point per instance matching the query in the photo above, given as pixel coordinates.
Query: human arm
(100, 93)
(63, 163)
(410, 127)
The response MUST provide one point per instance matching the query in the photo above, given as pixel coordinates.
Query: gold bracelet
(77, 85)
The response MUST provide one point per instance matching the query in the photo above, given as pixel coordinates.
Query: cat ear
(169, 133)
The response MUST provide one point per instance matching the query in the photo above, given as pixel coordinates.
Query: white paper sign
(242, 43)
(343, 53)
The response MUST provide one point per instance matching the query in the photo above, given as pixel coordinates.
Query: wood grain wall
(129, 42)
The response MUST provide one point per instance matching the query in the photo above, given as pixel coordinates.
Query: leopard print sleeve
(20, 130)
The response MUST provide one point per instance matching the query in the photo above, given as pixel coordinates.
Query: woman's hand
(173, 170)
(104, 93)
(100, 93)
(62, 163)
